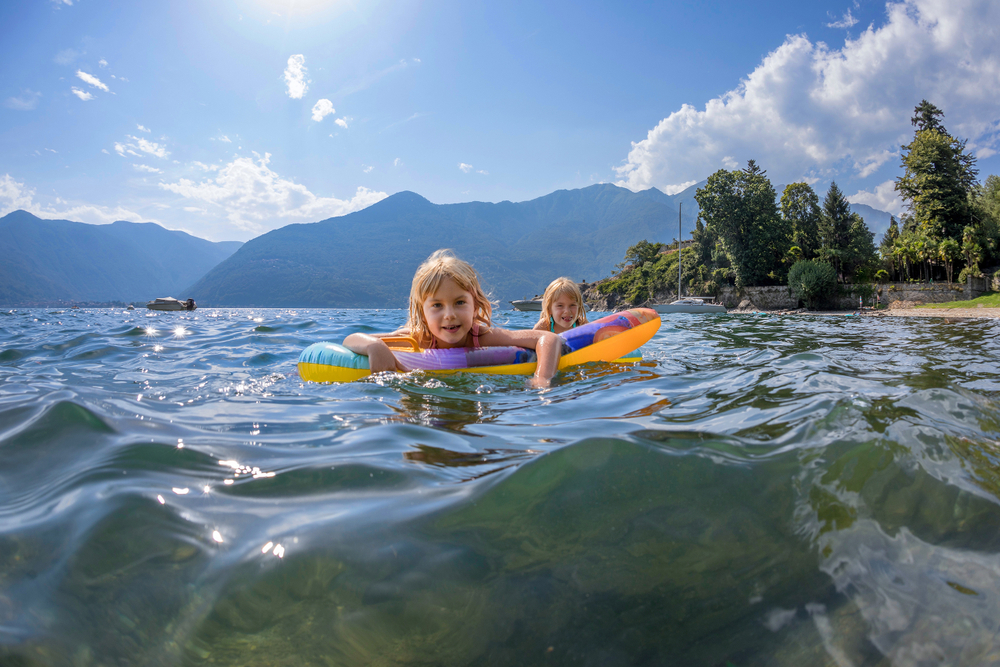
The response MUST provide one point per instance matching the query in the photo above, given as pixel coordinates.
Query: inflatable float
(615, 337)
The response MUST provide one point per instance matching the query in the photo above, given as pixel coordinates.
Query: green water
(760, 491)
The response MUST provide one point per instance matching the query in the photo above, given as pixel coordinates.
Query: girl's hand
(548, 348)
(380, 358)
(535, 382)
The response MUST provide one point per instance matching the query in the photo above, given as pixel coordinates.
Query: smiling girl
(562, 307)
(448, 308)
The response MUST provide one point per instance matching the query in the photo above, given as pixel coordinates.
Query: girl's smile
(449, 312)
(565, 310)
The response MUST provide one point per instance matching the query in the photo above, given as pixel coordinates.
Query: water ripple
(173, 493)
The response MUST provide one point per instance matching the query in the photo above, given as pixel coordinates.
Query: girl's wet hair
(426, 281)
(557, 288)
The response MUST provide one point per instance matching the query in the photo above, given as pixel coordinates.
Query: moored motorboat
(689, 305)
(170, 303)
(531, 305)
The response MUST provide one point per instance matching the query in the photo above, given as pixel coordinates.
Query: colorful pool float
(611, 338)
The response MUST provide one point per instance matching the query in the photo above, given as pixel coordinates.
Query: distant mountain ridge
(367, 258)
(48, 261)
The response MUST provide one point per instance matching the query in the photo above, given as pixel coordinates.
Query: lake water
(762, 490)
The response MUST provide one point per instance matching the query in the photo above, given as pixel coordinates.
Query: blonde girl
(448, 308)
(562, 307)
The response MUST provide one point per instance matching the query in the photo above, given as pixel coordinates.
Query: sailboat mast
(679, 205)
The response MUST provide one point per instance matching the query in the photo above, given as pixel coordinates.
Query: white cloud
(105, 151)
(368, 169)
(872, 162)
(82, 94)
(195, 209)
(142, 129)
(397, 162)
(322, 109)
(66, 56)
(678, 187)
(15, 195)
(147, 146)
(295, 77)
(148, 169)
(884, 198)
(26, 102)
(808, 109)
(205, 167)
(223, 138)
(465, 167)
(91, 79)
(847, 22)
(257, 199)
(342, 122)
(102, 62)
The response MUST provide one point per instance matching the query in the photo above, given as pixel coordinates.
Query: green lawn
(988, 300)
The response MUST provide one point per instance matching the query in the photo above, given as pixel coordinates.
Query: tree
(948, 252)
(739, 206)
(835, 227)
(812, 281)
(888, 241)
(926, 116)
(860, 257)
(938, 176)
(800, 210)
(641, 252)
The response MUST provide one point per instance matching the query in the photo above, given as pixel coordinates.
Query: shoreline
(948, 313)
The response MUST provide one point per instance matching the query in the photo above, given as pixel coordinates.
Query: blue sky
(233, 117)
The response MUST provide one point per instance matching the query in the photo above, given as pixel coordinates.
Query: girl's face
(565, 310)
(449, 313)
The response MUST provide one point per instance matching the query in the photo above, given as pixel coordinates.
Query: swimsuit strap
(475, 335)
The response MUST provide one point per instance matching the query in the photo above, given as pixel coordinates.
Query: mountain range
(51, 261)
(368, 258)
(363, 259)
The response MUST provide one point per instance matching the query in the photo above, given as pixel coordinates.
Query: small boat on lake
(689, 304)
(170, 303)
(531, 305)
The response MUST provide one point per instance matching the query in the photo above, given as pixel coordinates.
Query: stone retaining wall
(780, 297)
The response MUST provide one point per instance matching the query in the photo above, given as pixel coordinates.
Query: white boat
(532, 305)
(170, 303)
(689, 304)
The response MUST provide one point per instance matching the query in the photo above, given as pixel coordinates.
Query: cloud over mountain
(810, 110)
(256, 198)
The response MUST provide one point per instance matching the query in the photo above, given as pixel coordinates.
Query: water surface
(761, 491)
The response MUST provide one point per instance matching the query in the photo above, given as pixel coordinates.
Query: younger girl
(562, 307)
(448, 309)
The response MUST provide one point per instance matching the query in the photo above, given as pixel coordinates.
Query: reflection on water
(758, 491)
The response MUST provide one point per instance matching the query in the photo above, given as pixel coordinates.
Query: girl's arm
(380, 358)
(546, 345)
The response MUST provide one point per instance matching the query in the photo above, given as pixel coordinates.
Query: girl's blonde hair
(557, 288)
(426, 281)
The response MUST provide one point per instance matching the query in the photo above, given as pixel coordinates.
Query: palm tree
(948, 252)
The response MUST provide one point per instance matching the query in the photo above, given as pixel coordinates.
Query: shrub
(812, 282)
